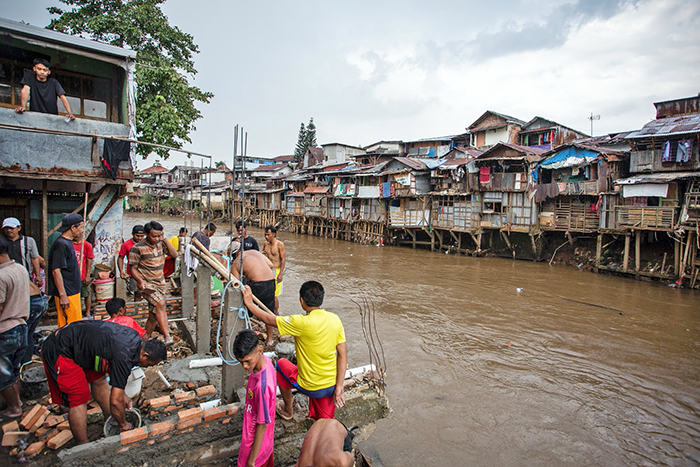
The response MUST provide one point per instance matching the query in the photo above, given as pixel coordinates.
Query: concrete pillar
(203, 316)
(232, 376)
(187, 292)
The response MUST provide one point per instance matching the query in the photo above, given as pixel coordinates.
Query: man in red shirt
(137, 235)
(116, 307)
(84, 249)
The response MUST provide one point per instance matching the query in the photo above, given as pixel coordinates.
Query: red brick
(159, 402)
(39, 421)
(161, 428)
(231, 409)
(165, 438)
(131, 436)
(189, 423)
(60, 439)
(11, 438)
(12, 426)
(189, 414)
(32, 416)
(39, 433)
(170, 408)
(53, 420)
(34, 449)
(214, 413)
(190, 385)
(14, 451)
(181, 397)
(63, 425)
(205, 391)
(150, 442)
(153, 413)
(123, 449)
(225, 420)
(50, 434)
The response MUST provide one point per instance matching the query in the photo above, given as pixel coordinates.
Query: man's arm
(137, 276)
(283, 260)
(24, 99)
(120, 265)
(58, 282)
(36, 267)
(88, 268)
(267, 318)
(257, 444)
(342, 363)
(67, 106)
(117, 404)
(172, 252)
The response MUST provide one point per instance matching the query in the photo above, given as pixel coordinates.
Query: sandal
(278, 411)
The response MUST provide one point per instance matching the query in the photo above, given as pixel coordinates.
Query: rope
(242, 314)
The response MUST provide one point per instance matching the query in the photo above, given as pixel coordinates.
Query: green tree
(301, 146)
(311, 133)
(166, 101)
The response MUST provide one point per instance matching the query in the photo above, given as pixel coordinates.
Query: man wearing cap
(137, 235)
(64, 270)
(41, 91)
(23, 251)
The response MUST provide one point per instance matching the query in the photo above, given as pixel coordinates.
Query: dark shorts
(69, 383)
(38, 304)
(265, 291)
(84, 291)
(13, 343)
(321, 403)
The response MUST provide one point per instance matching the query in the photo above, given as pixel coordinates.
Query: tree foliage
(305, 139)
(165, 106)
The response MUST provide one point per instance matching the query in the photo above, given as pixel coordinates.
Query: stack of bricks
(162, 407)
(185, 422)
(139, 310)
(38, 429)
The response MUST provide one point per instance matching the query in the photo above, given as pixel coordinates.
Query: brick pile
(139, 310)
(163, 407)
(38, 429)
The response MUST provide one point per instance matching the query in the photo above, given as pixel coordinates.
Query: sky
(368, 71)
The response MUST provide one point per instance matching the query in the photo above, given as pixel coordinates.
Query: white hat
(11, 222)
(233, 249)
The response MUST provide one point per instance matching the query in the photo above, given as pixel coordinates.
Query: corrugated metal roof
(505, 117)
(59, 37)
(657, 178)
(672, 126)
(524, 150)
(315, 190)
(415, 164)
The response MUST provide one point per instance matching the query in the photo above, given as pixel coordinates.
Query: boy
(84, 248)
(116, 307)
(41, 92)
(258, 434)
(319, 340)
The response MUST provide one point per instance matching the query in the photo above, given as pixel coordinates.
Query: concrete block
(159, 402)
(205, 391)
(60, 439)
(161, 428)
(34, 449)
(132, 436)
(182, 397)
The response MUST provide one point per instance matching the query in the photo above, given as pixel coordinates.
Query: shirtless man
(257, 270)
(275, 252)
(326, 444)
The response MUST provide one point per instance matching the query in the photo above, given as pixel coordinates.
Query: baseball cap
(138, 228)
(11, 222)
(69, 220)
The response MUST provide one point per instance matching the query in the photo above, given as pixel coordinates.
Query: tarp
(569, 157)
(645, 189)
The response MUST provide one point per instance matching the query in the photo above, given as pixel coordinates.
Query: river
(499, 362)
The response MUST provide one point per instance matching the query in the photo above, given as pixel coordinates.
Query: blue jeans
(13, 343)
(37, 309)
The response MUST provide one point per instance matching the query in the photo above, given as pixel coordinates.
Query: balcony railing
(645, 217)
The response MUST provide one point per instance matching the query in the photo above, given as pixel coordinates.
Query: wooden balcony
(646, 217)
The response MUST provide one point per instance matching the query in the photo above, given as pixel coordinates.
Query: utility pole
(591, 118)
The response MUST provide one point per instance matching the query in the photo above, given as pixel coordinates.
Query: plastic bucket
(132, 416)
(104, 289)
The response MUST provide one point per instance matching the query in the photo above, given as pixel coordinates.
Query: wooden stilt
(626, 260)
(598, 252)
(637, 253)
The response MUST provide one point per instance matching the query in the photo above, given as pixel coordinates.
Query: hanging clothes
(113, 154)
(484, 175)
(685, 149)
(666, 152)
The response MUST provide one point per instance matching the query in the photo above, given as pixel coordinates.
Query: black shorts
(265, 291)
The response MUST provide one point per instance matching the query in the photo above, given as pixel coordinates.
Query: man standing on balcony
(41, 91)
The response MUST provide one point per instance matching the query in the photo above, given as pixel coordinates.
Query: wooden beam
(44, 221)
(626, 260)
(638, 251)
(598, 252)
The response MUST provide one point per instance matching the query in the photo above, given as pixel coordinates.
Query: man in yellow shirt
(319, 340)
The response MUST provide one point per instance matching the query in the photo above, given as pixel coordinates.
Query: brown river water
(574, 369)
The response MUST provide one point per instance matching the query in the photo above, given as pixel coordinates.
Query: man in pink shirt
(257, 439)
(85, 262)
(137, 235)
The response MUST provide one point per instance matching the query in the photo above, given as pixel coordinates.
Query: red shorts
(71, 387)
(319, 407)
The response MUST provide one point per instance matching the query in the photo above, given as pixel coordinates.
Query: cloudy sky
(388, 70)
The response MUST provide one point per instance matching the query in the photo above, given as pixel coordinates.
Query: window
(88, 96)
(491, 207)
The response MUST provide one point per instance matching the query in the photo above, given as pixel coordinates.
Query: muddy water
(575, 369)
